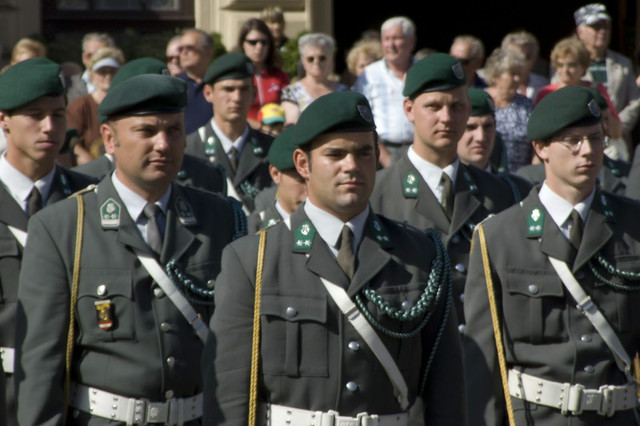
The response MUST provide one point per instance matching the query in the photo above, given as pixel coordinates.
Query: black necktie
(575, 234)
(34, 202)
(346, 258)
(447, 195)
(154, 236)
(233, 158)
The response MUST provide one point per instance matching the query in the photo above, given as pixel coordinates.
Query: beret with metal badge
(436, 72)
(229, 66)
(29, 80)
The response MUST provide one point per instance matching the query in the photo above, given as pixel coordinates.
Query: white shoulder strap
(183, 305)
(598, 320)
(362, 326)
(20, 235)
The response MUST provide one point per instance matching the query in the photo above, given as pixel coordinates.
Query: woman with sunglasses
(255, 41)
(316, 54)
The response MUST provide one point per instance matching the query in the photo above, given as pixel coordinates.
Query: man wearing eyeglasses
(196, 51)
(469, 50)
(555, 279)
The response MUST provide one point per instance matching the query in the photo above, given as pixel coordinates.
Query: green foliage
(291, 56)
(220, 47)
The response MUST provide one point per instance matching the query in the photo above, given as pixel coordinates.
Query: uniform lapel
(57, 192)
(597, 231)
(177, 237)
(371, 258)
(248, 159)
(10, 211)
(465, 201)
(221, 156)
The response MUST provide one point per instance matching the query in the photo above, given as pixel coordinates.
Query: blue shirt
(198, 111)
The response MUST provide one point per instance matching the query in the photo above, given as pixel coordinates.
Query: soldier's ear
(541, 148)
(207, 91)
(407, 105)
(275, 174)
(108, 138)
(4, 121)
(302, 161)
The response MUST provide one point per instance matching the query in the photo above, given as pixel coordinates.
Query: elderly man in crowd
(382, 83)
(469, 51)
(81, 85)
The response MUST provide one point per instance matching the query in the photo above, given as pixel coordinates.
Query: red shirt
(269, 85)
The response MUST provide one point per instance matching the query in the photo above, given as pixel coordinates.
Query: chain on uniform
(625, 275)
(189, 290)
(239, 219)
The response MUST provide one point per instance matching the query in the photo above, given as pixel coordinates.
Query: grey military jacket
(194, 172)
(633, 187)
(65, 183)
(309, 350)
(544, 333)
(150, 351)
(402, 194)
(253, 169)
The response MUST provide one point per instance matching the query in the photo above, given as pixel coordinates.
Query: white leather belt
(175, 411)
(7, 355)
(570, 398)
(280, 415)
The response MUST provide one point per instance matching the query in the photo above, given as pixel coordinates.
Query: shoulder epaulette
(89, 188)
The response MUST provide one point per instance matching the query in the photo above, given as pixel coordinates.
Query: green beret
(571, 106)
(29, 80)
(143, 95)
(137, 67)
(281, 152)
(334, 112)
(436, 72)
(481, 103)
(232, 65)
(600, 100)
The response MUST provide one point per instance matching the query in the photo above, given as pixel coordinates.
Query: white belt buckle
(364, 419)
(591, 400)
(157, 412)
(608, 401)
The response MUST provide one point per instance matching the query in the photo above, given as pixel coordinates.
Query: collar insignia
(410, 185)
(535, 222)
(304, 236)
(184, 212)
(110, 214)
(379, 232)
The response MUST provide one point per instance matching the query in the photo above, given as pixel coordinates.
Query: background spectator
(274, 18)
(173, 56)
(81, 84)
(469, 50)
(363, 53)
(527, 44)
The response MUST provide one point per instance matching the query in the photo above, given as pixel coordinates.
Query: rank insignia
(210, 146)
(535, 221)
(606, 209)
(258, 151)
(105, 318)
(110, 214)
(410, 185)
(470, 182)
(184, 212)
(304, 236)
(380, 233)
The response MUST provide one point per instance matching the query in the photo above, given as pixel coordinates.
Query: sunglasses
(320, 59)
(173, 58)
(187, 48)
(262, 41)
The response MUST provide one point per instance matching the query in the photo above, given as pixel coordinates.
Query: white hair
(407, 25)
(316, 39)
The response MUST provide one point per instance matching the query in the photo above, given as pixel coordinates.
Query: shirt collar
(283, 213)
(329, 227)
(431, 173)
(20, 186)
(227, 143)
(560, 209)
(134, 202)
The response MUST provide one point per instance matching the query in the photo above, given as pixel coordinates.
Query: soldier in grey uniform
(32, 115)
(228, 140)
(315, 364)
(195, 171)
(150, 252)
(565, 273)
(291, 190)
(429, 187)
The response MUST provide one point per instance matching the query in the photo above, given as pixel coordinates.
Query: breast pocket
(105, 309)
(533, 306)
(294, 335)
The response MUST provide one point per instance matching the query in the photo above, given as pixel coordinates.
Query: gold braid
(495, 320)
(255, 344)
(72, 306)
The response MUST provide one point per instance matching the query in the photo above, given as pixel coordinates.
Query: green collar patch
(606, 208)
(210, 146)
(304, 236)
(380, 232)
(258, 150)
(410, 185)
(184, 212)
(469, 180)
(612, 166)
(110, 214)
(535, 222)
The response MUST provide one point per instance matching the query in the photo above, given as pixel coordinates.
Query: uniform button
(580, 275)
(461, 328)
(585, 338)
(158, 292)
(354, 346)
(406, 305)
(455, 239)
(462, 297)
(533, 289)
(165, 326)
(169, 394)
(101, 290)
(460, 268)
(291, 312)
(352, 386)
(171, 361)
(589, 369)
(211, 283)
(182, 174)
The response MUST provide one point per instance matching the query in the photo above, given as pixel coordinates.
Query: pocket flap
(295, 308)
(534, 283)
(104, 283)
(9, 247)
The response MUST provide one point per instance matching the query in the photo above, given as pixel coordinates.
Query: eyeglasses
(320, 59)
(262, 41)
(570, 65)
(188, 48)
(173, 58)
(574, 143)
